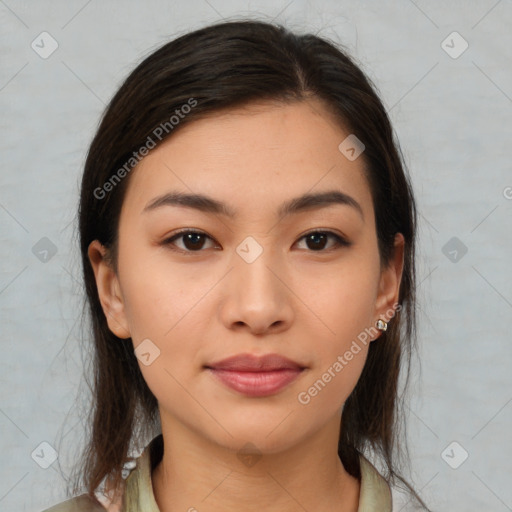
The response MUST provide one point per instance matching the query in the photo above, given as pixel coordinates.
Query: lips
(250, 363)
(256, 376)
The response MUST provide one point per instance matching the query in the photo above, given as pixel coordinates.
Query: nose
(257, 297)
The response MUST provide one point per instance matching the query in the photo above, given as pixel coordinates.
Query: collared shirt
(374, 496)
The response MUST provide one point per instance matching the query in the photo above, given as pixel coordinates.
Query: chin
(266, 436)
(249, 441)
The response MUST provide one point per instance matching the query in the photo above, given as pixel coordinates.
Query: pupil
(315, 236)
(190, 238)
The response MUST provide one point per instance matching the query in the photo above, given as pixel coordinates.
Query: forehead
(253, 156)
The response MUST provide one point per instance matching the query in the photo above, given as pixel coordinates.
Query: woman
(248, 234)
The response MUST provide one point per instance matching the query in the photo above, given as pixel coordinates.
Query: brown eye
(316, 240)
(193, 241)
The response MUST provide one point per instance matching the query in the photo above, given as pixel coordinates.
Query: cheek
(328, 389)
(345, 305)
(168, 314)
(343, 299)
(159, 297)
(165, 307)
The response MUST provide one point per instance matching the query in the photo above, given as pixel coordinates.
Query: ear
(389, 284)
(109, 290)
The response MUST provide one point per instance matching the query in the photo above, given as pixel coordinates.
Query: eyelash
(340, 241)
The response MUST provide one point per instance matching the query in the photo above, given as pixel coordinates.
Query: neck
(197, 474)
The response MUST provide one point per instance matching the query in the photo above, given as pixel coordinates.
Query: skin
(208, 304)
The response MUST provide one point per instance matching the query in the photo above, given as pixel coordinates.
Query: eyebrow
(299, 204)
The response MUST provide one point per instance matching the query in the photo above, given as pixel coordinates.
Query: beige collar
(375, 494)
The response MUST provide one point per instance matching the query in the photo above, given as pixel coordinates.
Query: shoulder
(82, 503)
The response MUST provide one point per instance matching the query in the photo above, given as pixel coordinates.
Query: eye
(317, 239)
(193, 241)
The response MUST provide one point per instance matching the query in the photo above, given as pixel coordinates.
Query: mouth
(256, 376)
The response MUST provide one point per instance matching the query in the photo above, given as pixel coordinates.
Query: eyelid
(328, 231)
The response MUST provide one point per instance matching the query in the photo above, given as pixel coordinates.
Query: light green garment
(375, 494)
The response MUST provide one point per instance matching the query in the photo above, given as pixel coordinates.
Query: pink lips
(256, 376)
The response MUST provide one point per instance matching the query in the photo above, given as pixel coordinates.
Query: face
(261, 273)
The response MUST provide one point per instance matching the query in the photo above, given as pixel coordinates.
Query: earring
(381, 325)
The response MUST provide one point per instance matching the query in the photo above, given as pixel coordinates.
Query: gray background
(452, 117)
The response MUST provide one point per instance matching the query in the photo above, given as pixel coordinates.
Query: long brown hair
(221, 66)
